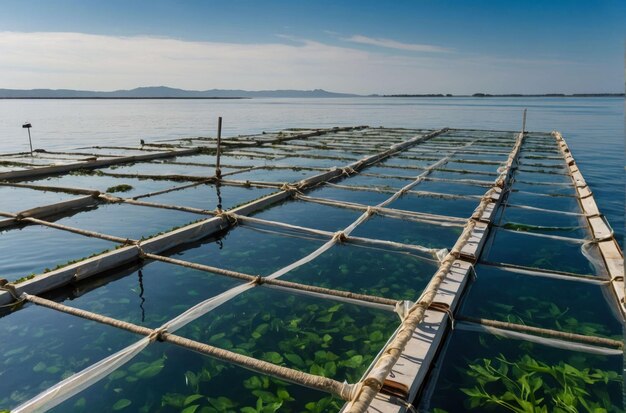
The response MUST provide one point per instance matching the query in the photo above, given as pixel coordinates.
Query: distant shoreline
(120, 98)
(588, 95)
(164, 92)
(512, 95)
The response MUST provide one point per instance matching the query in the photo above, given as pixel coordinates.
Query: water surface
(593, 127)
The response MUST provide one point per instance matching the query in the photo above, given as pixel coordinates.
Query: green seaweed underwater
(489, 373)
(528, 385)
(316, 336)
(321, 337)
(541, 313)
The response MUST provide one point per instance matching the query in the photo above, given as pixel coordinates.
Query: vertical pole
(218, 172)
(524, 122)
(30, 142)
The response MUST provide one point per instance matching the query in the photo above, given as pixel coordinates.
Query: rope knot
(372, 211)
(231, 217)
(444, 308)
(142, 253)
(340, 236)
(258, 280)
(157, 334)
(347, 171)
(373, 383)
(290, 188)
(349, 391)
(10, 288)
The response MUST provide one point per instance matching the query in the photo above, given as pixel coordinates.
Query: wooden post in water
(27, 126)
(524, 122)
(218, 172)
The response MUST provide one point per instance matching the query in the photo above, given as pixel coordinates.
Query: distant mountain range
(162, 92)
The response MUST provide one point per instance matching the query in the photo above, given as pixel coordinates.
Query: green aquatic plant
(528, 385)
(323, 339)
(86, 172)
(25, 278)
(59, 266)
(543, 313)
(514, 226)
(270, 394)
(172, 229)
(120, 188)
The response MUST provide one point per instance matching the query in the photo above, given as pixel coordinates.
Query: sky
(359, 46)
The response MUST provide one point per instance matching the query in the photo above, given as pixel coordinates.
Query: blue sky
(349, 46)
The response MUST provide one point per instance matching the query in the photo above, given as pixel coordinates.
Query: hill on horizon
(166, 92)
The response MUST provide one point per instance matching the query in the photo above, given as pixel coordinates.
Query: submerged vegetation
(311, 335)
(543, 313)
(529, 385)
(119, 188)
(485, 372)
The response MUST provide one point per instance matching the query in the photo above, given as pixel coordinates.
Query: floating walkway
(347, 269)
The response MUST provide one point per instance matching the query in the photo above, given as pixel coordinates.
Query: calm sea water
(593, 127)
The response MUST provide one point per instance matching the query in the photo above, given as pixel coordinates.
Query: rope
(547, 272)
(172, 189)
(293, 189)
(474, 182)
(412, 215)
(259, 280)
(250, 221)
(168, 206)
(372, 210)
(443, 308)
(468, 171)
(343, 390)
(10, 288)
(164, 177)
(339, 236)
(552, 211)
(359, 188)
(230, 217)
(347, 171)
(133, 328)
(78, 191)
(87, 233)
(443, 196)
(596, 341)
(253, 222)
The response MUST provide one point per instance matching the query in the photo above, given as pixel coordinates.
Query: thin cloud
(392, 44)
(97, 62)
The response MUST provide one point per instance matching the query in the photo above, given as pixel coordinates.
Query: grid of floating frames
(470, 218)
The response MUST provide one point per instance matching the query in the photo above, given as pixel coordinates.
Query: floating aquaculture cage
(347, 269)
